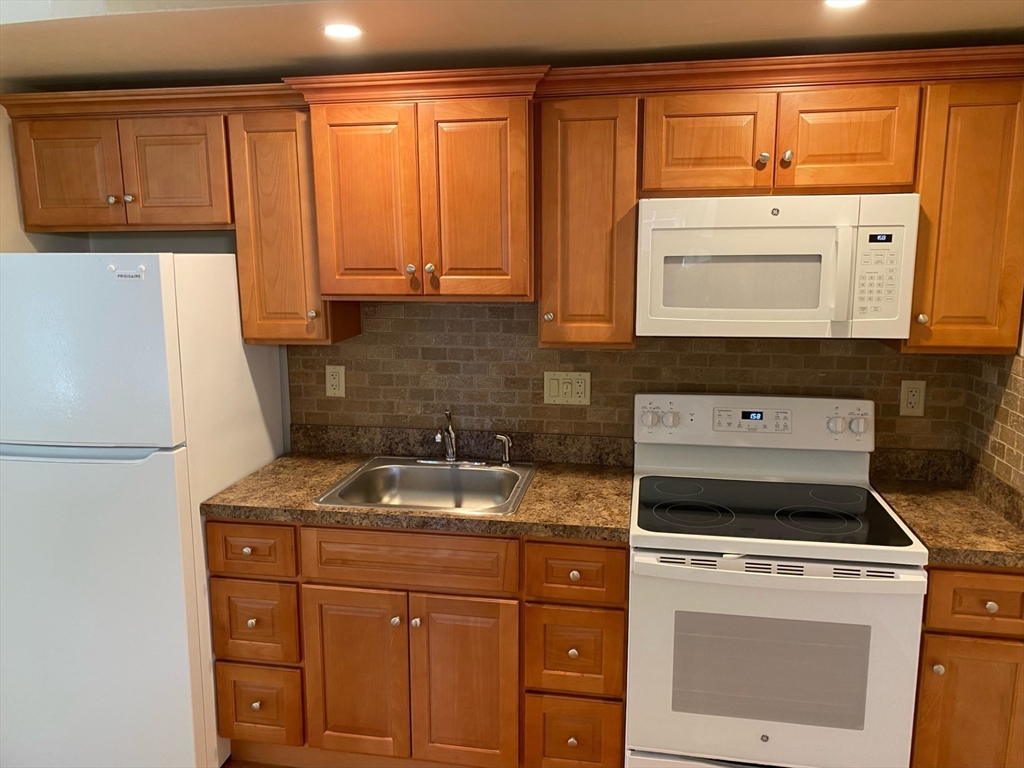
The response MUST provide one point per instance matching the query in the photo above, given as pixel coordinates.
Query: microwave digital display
(753, 415)
(879, 238)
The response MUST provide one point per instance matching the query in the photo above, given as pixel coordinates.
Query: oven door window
(777, 670)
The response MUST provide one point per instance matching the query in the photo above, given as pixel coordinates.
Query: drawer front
(983, 603)
(410, 560)
(259, 704)
(240, 549)
(573, 574)
(562, 732)
(255, 620)
(577, 650)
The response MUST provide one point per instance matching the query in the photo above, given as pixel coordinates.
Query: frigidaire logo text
(129, 276)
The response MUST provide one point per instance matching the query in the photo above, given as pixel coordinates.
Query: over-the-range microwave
(809, 266)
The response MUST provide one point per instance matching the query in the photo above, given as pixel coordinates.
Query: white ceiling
(247, 43)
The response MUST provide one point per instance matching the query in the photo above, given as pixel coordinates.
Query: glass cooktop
(837, 514)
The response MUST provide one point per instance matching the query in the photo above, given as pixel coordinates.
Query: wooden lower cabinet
(259, 703)
(563, 732)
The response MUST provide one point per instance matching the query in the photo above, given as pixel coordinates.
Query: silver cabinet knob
(429, 269)
(573, 653)
(414, 623)
(111, 199)
(311, 314)
(246, 551)
(922, 319)
(410, 268)
(255, 706)
(129, 198)
(574, 575)
(787, 156)
(548, 317)
(764, 157)
(251, 623)
(991, 607)
(938, 669)
(396, 620)
(572, 741)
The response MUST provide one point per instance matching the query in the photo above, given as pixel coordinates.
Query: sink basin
(465, 487)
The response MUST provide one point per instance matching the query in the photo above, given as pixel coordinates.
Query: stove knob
(670, 419)
(859, 425)
(836, 425)
(649, 418)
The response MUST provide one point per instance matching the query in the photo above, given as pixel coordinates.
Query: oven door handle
(905, 583)
(844, 275)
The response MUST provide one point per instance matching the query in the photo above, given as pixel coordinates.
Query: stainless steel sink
(465, 487)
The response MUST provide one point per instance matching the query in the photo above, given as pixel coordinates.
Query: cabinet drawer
(562, 732)
(984, 603)
(410, 560)
(576, 574)
(259, 704)
(255, 620)
(578, 650)
(251, 550)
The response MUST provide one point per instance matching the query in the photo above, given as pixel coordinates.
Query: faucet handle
(506, 444)
(438, 437)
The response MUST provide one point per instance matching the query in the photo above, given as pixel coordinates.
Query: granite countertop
(570, 501)
(576, 501)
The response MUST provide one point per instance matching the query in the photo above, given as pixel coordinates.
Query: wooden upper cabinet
(969, 278)
(847, 136)
(69, 173)
(464, 668)
(587, 189)
(275, 228)
(357, 670)
(175, 170)
(709, 141)
(368, 208)
(970, 706)
(475, 194)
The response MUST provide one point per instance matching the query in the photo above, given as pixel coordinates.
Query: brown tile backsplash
(994, 429)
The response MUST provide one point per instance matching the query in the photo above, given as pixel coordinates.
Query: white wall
(13, 238)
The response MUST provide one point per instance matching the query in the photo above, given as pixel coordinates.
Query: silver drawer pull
(129, 198)
(395, 621)
(549, 316)
(991, 606)
(255, 706)
(414, 623)
(938, 669)
(410, 268)
(573, 653)
(111, 199)
(572, 741)
(251, 623)
(764, 157)
(574, 575)
(246, 551)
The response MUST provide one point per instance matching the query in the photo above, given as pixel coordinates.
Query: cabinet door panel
(259, 703)
(67, 170)
(357, 670)
(577, 650)
(588, 221)
(971, 715)
(176, 169)
(708, 141)
(476, 196)
(562, 732)
(848, 136)
(368, 210)
(464, 660)
(969, 278)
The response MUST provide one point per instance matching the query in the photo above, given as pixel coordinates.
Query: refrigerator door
(96, 566)
(89, 350)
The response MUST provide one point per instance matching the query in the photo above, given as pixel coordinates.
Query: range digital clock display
(753, 415)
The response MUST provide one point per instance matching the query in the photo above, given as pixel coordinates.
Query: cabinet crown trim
(413, 86)
(777, 71)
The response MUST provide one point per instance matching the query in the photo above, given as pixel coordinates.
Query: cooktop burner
(843, 514)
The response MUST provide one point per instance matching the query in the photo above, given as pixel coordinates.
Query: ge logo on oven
(775, 211)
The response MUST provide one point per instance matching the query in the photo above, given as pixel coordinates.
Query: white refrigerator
(127, 397)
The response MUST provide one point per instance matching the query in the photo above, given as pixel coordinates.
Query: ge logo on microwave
(775, 211)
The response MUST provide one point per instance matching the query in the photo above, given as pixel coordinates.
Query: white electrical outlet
(335, 380)
(566, 388)
(912, 398)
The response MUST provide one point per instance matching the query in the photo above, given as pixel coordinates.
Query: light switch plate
(335, 380)
(562, 388)
(912, 398)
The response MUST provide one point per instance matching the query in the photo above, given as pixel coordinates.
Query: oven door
(772, 669)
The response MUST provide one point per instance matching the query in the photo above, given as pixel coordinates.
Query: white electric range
(775, 598)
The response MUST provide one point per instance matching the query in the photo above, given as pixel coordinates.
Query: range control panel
(878, 271)
(755, 420)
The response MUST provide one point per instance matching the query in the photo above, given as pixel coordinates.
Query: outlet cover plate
(912, 398)
(564, 388)
(335, 381)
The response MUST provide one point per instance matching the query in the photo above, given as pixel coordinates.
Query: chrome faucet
(446, 435)
(506, 444)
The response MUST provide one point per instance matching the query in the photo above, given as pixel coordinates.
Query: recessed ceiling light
(844, 3)
(347, 31)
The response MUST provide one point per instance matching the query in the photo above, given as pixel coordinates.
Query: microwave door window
(728, 281)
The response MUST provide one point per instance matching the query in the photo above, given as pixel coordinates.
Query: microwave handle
(907, 583)
(844, 275)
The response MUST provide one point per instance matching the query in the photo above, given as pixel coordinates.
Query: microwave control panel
(878, 267)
